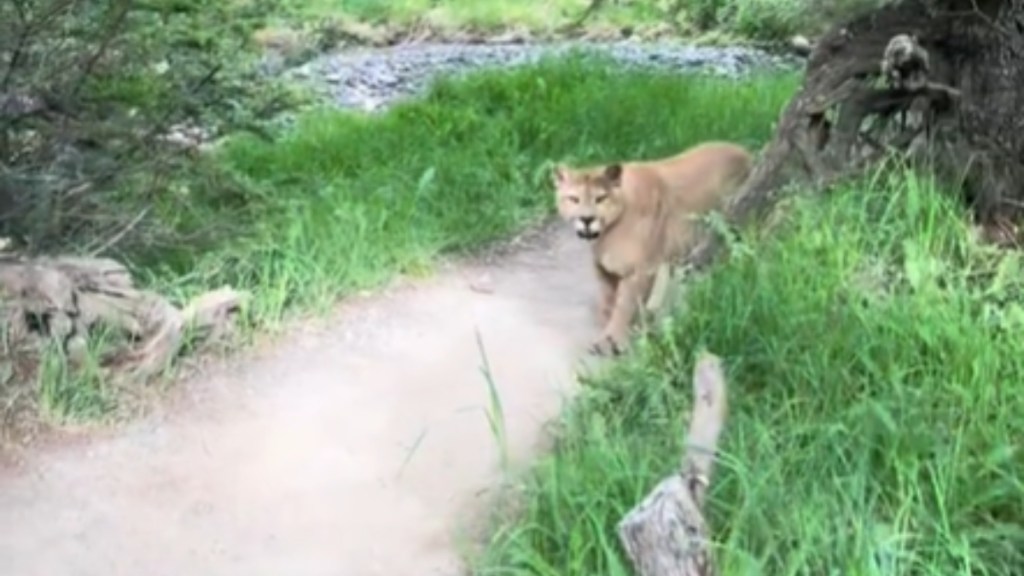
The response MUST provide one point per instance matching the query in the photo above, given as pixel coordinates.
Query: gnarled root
(883, 66)
(65, 299)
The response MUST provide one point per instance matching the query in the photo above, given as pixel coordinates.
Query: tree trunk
(941, 81)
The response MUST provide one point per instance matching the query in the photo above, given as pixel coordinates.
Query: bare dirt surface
(354, 448)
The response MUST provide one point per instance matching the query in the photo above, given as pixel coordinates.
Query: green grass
(872, 352)
(757, 19)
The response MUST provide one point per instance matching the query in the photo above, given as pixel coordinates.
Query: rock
(483, 284)
(801, 45)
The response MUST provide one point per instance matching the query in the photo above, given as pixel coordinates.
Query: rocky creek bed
(370, 79)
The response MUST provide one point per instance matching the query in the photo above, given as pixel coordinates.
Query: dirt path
(353, 450)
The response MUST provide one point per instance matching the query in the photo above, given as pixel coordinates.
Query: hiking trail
(355, 446)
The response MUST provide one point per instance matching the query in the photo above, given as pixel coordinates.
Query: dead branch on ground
(667, 534)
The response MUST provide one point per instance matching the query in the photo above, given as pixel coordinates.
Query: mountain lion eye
(574, 200)
(600, 199)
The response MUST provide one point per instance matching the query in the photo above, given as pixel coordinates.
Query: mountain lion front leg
(632, 291)
(608, 284)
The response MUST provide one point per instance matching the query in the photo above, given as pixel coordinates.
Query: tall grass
(872, 351)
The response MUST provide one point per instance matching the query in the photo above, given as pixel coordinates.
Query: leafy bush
(88, 91)
(754, 19)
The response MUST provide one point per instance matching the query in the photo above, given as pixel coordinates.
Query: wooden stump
(666, 534)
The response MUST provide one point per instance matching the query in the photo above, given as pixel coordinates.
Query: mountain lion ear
(613, 174)
(559, 174)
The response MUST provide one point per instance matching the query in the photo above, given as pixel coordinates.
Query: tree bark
(939, 81)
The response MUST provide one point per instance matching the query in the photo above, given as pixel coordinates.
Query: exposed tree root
(938, 82)
(67, 299)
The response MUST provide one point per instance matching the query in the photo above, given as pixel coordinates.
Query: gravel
(370, 79)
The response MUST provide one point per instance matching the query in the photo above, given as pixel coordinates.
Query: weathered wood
(951, 71)
(66, 299)
(667, 534)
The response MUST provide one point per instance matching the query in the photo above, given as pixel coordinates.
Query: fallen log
(68, 299)
(666, 534)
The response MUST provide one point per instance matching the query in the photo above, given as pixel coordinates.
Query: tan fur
(639, 218)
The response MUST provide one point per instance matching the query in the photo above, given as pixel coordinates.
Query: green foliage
(67, 394)
(770, 19)
(97, 84)
(754, 19)
(868, 342)
(199, 63)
